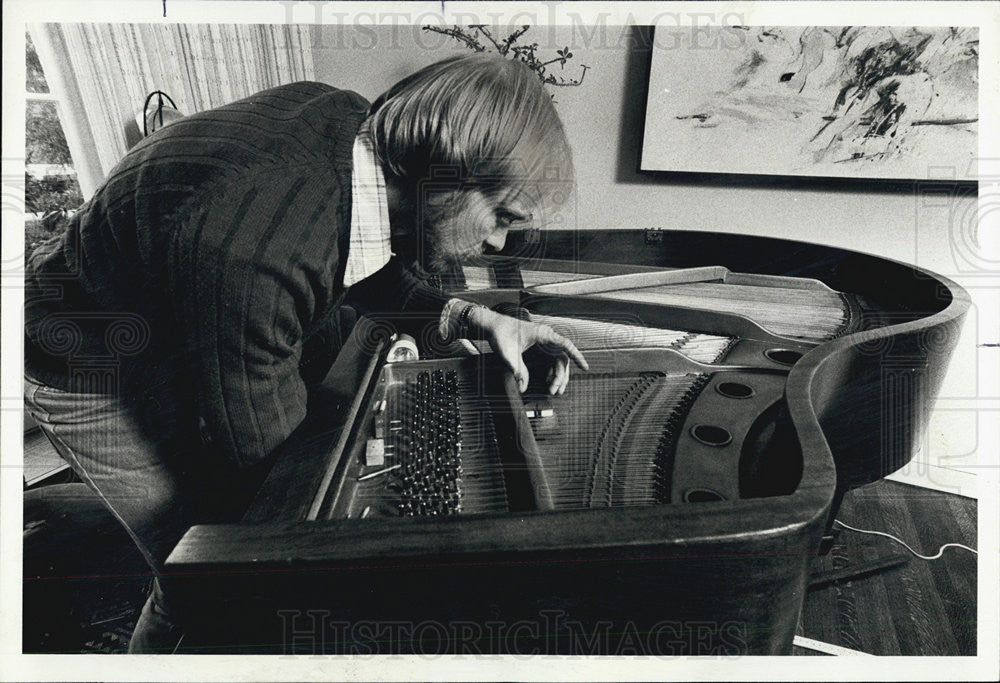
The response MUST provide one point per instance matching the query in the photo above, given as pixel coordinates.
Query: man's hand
(510, 337)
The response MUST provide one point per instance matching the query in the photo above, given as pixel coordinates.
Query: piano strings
(809, 315)
(610, 439)
(441, 432)
(478, 277)
(590, 334)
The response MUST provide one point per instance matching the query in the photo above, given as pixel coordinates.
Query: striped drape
(112, 67)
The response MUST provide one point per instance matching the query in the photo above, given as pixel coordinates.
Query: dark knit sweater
(192, 283)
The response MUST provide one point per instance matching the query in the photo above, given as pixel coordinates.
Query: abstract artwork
(842, 102)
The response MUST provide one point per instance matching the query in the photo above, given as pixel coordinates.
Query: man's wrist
(461, 319)
(478, 321)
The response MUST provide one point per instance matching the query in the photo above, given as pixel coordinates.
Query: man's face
(460, 225)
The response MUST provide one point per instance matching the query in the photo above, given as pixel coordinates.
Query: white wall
(603, 119)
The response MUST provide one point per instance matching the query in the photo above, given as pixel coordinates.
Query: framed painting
(842, 102)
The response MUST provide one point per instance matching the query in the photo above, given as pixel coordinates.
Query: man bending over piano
(174, 330)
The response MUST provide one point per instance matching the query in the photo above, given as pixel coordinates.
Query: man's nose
(497, 239)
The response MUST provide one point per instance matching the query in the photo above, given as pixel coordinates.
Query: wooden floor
(919, 608)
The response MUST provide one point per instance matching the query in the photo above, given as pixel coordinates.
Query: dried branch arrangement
(478, 38)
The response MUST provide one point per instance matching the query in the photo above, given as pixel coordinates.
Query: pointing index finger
(570, 348)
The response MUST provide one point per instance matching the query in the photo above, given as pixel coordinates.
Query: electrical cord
(159, 95)
(940, 551)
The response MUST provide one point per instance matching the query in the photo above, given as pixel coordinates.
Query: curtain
(110, 68)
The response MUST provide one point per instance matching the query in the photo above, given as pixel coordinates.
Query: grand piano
(671, 502)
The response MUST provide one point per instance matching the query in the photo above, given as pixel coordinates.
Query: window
(51, 190)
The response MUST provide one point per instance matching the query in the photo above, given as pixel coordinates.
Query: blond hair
(480, 119)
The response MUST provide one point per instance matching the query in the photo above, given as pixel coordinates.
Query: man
(173, 331)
